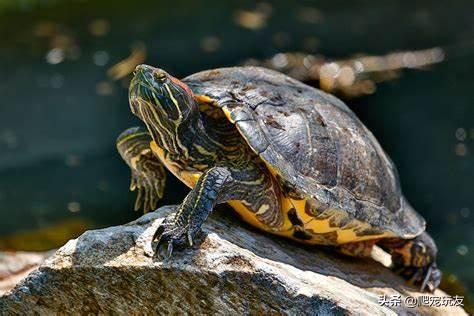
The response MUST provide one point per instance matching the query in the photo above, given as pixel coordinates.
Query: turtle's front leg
(214, 186)
(148, 173)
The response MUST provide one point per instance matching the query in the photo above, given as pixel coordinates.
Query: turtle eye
(160, 76)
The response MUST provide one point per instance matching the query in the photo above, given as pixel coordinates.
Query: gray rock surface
(15, 266)
(233, 269)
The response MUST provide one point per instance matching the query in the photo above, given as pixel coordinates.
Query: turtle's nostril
(144, 74)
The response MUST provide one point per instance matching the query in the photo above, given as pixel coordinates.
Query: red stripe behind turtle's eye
(182, 85)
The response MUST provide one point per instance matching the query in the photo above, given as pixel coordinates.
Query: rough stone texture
(232, 269)
(15, 266)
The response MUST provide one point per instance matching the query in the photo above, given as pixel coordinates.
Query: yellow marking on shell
(227, 114)
(251, 218)
(322, 226)
(349, 235)
(211, 110)
(316, 226)
(272, 169)
(205, 99)
(319, 226)
(188, 178)
(287, 229)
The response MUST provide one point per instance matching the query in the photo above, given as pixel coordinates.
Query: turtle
(290, 159)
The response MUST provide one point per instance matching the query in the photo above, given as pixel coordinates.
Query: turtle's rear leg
(414, 260)
(359, 249)
(148, 173)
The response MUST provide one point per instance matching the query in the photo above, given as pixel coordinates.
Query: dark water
(60, 113)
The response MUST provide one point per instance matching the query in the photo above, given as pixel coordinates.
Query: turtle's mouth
(138, 94)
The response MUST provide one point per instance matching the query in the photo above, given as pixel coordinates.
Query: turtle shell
(314, 143)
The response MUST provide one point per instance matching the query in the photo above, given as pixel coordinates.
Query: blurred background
(404, 68)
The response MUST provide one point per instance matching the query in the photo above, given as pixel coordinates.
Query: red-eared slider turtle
(290, 159)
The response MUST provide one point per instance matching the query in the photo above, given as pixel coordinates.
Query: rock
(15, 266)
(231, 269)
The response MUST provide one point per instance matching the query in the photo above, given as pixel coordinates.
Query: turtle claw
(432, 279)
(427, 278)
(164, 250)
(190, 240)
(169, 250)
(158, 233)
(164, 246)
(169, 236)
(425, 282)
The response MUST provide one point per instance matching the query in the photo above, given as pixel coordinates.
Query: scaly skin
(213, 186)
(148, 173)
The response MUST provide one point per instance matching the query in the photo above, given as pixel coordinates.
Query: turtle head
(161, 101)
